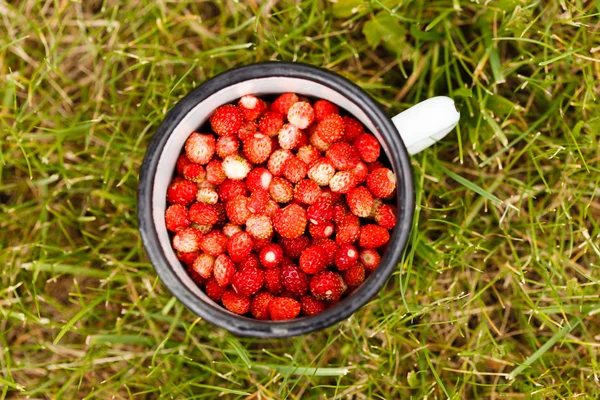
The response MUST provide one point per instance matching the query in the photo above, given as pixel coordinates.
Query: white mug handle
(426, 123)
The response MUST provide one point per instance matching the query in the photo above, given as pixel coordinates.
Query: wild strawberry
(182, 161)
(259, 226)
(311, 306)
(226, 120)
(324, 108)
(320, 211)
(312, 260)
(346, 257)
(321, 171)
(237, 210)
(213, 290)
(271, 123)
(259, 179)
(308, 154)
(236, 303)
(354, 276)
(204, 229)
(294, 279)
(290, 222)
(381, 182)
(198, 280)
(223, 270)
(247, 129)
(252, 107)
(271, 208)
(258, 148)
(360, 172)
(215, 173)
(203, 265)
(376, 204)
(348, 230)
(277, 160)
(342, 182)
(203, 214)
(227, 146)
(221, 212)
(284, 102)
(331, 128)
(374, 165)
(230, 189)
(385, 216)
(301, 114)
(177, 217)
(273, 280)
(370, 258)
(207, 195)
(194, 172)
(352, 128)
(281, 190)
(258, 201)
(294, 169)
(239, 246)
(343, 156)
(307, 191)
(214, 243)
(289, 136)
(247, 281)
(182, 192)
(271, 255)
(260, 305)
(236, 167)
(360, 201)
(368, 147)
(327, 285)
(316, 141)
(231, 229)
(373, 236)
(187, 258)
(330, 249)
(283, 309)
(339, 213)
(321, 231)
(294, 247)
(187, 240)
(336, 198)
(200, 148)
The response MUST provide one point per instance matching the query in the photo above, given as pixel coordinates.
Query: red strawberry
(194, 172)
(259, 226)
(177, 217)
(214, 243)
(354, 276)
(203, 214)
(182, 161)
(321, 171)
(237, 210)
(308, 154)
(290, 222)
(331, 128)
(207, 195)
(330, 249)
(374, 165)
(271, 123)
(187, 258)
(258, 201)
(182, 192)
(294, 279)
(260, 305)
(271, 208)
(203, 265)
(259, 244)
(343, 156)
(385, 215)
(231, 229)
(187, 240)
(283, 103)
(247, 281)
(281, 190)
(327, 286)
(370, 258)
(316, 141)
(294, 169)
(353, 128)
(303, 140)
(360, 201)
(259, 179)
(346, 257)
(348, 230)
(301, 114)
(339, 213)
(360, 172)
(252, 107)
(368, 147)
(307, 191)
(230, 189)
(312, 260)
(342, 182)
(336, 198)
(213, 290)
(381, 182)
(236, 167)
(235, 303)
(311, 306)
(258, 148)
(321, 231)
(373, 236)
(294, 247)
(223, 270)
(200, 148)
(273, 280)
(271, 255)
(215, 173)
(283, 308)
(227, 146)
(289, 136)
(320, 211)
(226, 120)
(239, 246)
(324, 108)
(376, 204)
(248, 129)
(221, 212)
(277, 160)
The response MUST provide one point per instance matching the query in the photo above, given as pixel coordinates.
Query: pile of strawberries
(280, 212)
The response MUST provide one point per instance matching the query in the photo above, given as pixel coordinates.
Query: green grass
(497, 295)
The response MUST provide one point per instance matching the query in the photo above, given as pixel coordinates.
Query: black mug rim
(397, 155)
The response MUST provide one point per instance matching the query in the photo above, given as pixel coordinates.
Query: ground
(496, 296)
